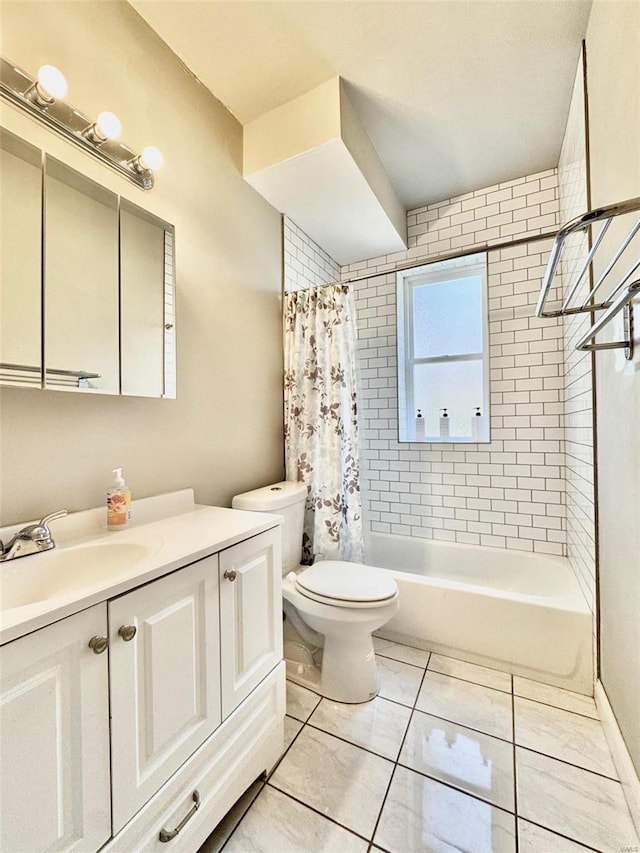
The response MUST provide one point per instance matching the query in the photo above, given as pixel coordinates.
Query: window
(443, 351)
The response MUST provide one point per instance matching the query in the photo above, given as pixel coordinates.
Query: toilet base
(350, 677)
(349, 671)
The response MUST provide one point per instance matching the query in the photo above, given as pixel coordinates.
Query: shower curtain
(321, 426)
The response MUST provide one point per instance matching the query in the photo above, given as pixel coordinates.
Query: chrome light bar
(26, 92)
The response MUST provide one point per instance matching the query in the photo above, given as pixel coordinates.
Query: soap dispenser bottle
(419, 426)
(118, 502)
(477, 422)
(444, 424)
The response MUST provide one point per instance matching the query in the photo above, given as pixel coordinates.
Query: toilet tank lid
(271, 498)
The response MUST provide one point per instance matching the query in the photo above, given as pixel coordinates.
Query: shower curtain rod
(430, 259)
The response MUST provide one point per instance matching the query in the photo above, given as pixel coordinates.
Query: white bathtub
(510, 610)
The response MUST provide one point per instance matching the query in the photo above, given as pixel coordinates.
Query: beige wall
(613, 78)
(224, 432)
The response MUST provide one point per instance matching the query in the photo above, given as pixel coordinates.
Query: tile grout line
(568, 763)
(316, 811)
(497, 690)
(295, 799)
(581, 842)
(395, 766)
(515, 769)
(366, 749)
(558, 708)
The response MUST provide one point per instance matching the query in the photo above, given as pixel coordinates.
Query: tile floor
(449, 757)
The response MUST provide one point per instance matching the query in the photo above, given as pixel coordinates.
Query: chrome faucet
(31, 539)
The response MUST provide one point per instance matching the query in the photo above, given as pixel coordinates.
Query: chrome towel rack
(619, 296)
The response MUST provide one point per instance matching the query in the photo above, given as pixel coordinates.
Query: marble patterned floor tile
(421, 815)
(471, 672)
(556, 696)
(275, 822)
(573, 802)
(472, 705)
(406, 654)
(216, 841)
(300, 701)
(399, 681)
(535, 839)
(291, 729)
(378, 725)
(471, 761)
(562, 734)
(339, 780)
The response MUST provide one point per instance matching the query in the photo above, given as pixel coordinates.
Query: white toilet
(331, 608)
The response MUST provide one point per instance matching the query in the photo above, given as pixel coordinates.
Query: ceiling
(454, 94)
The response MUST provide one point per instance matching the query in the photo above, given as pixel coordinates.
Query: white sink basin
(27, 580)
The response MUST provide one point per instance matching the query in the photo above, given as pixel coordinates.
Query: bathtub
(511, 610)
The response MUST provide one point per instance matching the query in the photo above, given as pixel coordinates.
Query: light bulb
(151, 158)
(108, 124)
(52, 81)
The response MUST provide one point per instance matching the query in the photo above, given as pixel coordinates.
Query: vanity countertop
(168, 532)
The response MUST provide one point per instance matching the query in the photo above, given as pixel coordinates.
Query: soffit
(453, 95)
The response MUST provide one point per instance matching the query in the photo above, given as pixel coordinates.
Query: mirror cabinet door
(80, 282)
(20, 262)
(146, 302)
(99, 269)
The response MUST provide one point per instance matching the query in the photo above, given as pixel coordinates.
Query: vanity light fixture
(42, 98)
(49, 86)
(150, 159)
(106, 126)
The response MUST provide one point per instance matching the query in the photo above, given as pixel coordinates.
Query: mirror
(20, 262)
(146, 296)
(80, 282)
(102, 269)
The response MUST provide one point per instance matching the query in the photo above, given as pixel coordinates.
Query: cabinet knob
(127, 632)
(98, 644)
(230, 575)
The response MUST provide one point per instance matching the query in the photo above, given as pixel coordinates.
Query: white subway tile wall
(509, 493)
(578, 436)
(305, 263)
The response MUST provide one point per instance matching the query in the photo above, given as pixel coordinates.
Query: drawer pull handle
(169, 834)
(230, 575)
(98, 644)
(127, 632)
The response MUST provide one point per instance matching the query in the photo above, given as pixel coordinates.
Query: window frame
(407, 281)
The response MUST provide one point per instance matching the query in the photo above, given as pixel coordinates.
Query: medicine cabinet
(86, 285)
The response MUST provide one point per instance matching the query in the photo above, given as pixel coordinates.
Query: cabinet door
(165, 680)
(250, 615)
(54, 724)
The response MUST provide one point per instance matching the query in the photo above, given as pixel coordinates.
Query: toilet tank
(285, 499)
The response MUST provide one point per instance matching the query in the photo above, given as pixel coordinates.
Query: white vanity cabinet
(189, 668)
(164, 657)
(250, 615)
(54, 729)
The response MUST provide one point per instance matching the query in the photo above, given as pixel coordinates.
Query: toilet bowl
(331, 608)
(353, 601)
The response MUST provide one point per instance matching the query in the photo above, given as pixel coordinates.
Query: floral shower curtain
(321, 427)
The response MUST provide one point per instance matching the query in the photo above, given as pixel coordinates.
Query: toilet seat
(344, 584)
